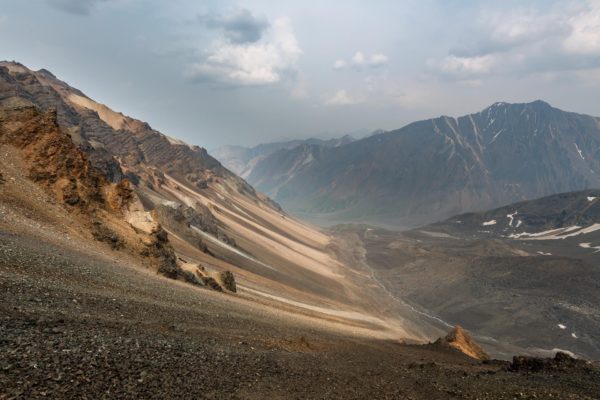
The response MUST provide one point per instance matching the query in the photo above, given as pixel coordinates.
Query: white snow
(488, 223)
(561, 326)
(496, 135)
(511, 217)
(553, 234)
(589, 246)
(574, 335)
(590, 198)
(579, 151)
(541, 253)
(519, 222)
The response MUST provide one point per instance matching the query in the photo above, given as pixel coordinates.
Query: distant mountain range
(242, 160)
(430, 170)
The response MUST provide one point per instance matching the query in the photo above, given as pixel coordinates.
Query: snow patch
(591, 198)
(511, 217)
(496, 135)
(519, 223)
(553, 234)
(561, 326)
(488, 223)
(589, 246)
(573, 335)
(579, 151)
(541, 253)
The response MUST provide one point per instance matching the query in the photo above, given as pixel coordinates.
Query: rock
(211, 283)
(226, 280)
(460, 340)
(561, 361)
(103, 234)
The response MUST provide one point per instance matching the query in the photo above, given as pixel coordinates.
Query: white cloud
(556, 39)
(584, 37)
(378, 60)
(466, 66)
(522, 26)
(264, 62)
(361, 61)
(342, 98)
(340, 64)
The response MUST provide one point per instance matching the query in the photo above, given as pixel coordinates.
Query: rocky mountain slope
(212, 224)
(93, 204)
(560, 216)
(433, 169)
(242, 160)
(507, 274)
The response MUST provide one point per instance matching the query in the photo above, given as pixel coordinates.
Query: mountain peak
(536, 103)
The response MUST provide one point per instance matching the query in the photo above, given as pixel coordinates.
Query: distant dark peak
(535, 104)
(375, 132)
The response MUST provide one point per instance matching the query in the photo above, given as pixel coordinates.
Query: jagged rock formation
(227, 280)
(460, 340)
(55, 162)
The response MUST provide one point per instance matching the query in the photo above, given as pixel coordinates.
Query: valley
(135, 265)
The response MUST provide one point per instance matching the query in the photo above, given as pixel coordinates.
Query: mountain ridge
(432, 169)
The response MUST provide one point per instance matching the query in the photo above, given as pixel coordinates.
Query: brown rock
(460, 340)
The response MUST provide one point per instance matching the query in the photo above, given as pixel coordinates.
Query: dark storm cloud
(239, 26)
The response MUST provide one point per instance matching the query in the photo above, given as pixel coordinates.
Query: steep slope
(107, 212)
(432, 169)
(215, 221)
(242, 160)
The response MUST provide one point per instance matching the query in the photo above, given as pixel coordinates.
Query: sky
(246, 72)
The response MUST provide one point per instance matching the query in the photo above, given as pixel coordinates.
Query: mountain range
(432, 169)
(135, 265)
(241, 160)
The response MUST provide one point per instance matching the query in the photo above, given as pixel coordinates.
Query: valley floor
(89, 325)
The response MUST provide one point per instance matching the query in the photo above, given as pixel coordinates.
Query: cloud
(527, 41)
(78, 7)
(340, 64)
(360, 61)
(268, 61)
(342, 98)
(584, 37)
(466, 66)
(239, 26)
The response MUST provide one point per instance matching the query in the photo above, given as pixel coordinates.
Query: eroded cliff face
(54, 162)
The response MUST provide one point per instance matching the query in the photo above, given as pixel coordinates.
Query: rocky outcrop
(53, 160)
(460, 340)
(184, 219)
(113, 170)
(227, 280)
(561, 362)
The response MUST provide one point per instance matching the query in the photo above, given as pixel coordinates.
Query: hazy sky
(227, 72)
